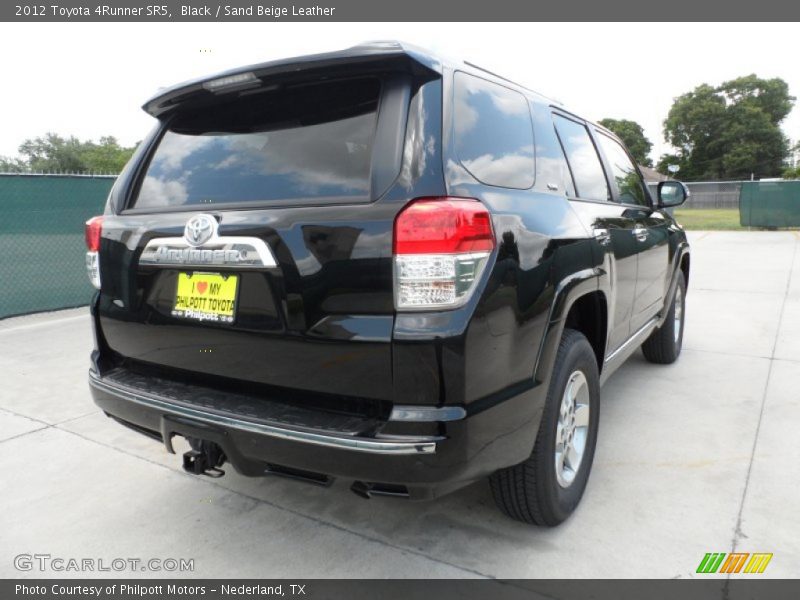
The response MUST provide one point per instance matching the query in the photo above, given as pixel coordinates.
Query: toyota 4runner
(381, 266)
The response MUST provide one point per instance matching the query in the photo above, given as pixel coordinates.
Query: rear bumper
(469, 446)
(147, 401)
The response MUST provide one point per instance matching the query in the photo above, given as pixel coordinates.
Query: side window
(626, 178)
(587, 171)
(493, 132)
(552, 172)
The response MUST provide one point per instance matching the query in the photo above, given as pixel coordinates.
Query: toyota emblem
(199, 229)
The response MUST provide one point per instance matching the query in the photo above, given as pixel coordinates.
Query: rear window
(493, 132)
(303, 142)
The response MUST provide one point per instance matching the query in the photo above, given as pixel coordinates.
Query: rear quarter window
(493, 132)
(304, 142)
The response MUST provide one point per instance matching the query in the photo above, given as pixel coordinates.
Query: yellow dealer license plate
(206, 297)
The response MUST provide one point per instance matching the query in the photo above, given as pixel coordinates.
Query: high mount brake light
(93, 232)
(231, 82)
(441, 246)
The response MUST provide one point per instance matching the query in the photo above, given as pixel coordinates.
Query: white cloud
(101, 74)
(511, 169)
(163, 193)
(174, 149)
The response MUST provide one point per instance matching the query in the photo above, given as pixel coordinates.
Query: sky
(90, 79)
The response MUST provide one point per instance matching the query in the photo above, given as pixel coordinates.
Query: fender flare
(682, 249)
(567, 292)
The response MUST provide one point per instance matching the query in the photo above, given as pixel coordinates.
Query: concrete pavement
(700, 456)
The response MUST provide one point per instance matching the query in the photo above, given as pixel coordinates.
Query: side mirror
(672, 193)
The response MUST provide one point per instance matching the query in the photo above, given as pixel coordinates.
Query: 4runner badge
(202, 246)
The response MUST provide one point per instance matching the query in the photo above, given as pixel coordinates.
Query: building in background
(651, 175)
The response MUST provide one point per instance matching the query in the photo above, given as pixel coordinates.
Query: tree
(632, 135)
(52, 153)
(729, 131)
(792, 171)
(11, 165)
(107, 156)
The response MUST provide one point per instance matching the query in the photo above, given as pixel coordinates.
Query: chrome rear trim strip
(220, 251)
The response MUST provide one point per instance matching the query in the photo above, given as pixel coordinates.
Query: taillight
(94, 229)
(441, 246)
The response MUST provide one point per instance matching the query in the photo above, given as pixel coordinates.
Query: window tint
(587, 171)
(569, 185)
(626, 178)
(281, 144)
(493, 132)
(551, 164)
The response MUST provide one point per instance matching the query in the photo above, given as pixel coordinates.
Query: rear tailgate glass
(303, 142)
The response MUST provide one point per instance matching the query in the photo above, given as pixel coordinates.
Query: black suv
(381, 266)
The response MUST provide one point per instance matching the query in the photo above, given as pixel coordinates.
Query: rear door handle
(641, 233)
(602, 236)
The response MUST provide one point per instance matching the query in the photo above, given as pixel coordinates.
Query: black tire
(663, 347)
(530, 491)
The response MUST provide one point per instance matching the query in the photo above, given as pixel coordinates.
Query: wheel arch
(681, 263)
(589, 315)
(685, 264)
(580, 304)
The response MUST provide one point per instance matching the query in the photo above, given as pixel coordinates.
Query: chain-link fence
(709, 194)
(42, 250)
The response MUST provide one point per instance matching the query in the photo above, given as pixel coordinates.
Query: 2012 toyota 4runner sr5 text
(380, 266)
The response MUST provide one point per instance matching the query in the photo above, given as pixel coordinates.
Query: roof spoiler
(373, 57)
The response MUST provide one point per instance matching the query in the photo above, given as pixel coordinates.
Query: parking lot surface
(700, 456)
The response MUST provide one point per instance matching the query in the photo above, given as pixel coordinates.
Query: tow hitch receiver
(204, 458)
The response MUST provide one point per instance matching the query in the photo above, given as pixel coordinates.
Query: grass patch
(721, 219)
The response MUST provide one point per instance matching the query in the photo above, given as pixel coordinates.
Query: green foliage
(52, 153)
(729, 131)
(632, 135)
(662, 166)
(107, 156)
(11, 165)
(791, 173)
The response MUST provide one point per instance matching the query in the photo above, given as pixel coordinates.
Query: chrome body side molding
(614, 360)
(640, 334)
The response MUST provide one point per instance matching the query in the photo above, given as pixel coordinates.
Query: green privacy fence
(770, 204)
(42, 248)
